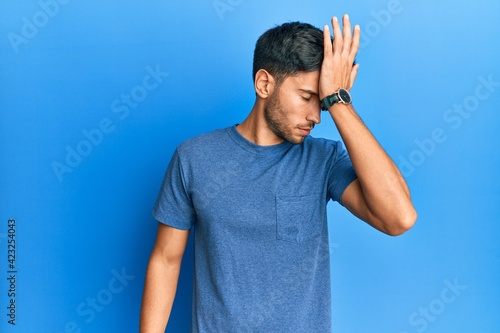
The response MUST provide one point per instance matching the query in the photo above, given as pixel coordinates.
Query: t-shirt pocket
(298, 218)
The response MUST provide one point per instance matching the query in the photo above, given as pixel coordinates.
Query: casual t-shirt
(261, 252)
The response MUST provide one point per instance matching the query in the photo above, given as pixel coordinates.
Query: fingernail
(335, 19)
(356, 27)
(346, 16)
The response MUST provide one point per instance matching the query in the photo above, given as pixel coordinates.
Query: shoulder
(323, 146)
(207, 148)
(203, 142)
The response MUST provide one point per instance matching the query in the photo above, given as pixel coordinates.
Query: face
(293, 108)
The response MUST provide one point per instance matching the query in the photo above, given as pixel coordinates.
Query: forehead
(303, 80)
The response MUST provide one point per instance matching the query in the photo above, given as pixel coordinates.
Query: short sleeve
(341, 172)
(173, 205)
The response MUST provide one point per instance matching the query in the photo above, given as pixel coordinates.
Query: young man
(256, 194)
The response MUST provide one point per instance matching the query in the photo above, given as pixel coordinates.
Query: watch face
(345, 96)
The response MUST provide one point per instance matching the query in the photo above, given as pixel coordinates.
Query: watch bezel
(346, 94)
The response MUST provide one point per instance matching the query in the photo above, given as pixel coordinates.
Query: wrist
(340, 96)
(328, 92)
(342, 113)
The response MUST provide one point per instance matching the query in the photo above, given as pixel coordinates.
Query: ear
(264, 83)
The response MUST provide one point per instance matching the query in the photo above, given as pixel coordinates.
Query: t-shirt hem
(345, 185)
(172, 222)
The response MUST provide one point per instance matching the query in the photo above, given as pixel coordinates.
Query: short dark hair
(288, 49)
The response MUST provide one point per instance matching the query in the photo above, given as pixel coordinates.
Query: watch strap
(328, 101)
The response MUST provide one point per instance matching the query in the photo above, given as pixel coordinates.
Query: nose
(314, 115)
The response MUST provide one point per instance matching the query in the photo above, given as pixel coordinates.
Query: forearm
(384, 189)
(159, 293)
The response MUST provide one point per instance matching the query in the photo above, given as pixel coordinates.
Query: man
(256, 194)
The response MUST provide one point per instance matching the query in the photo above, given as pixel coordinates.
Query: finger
(355, 42)
(327, 41)
(346, 23)
(337, 35)
(354, 73)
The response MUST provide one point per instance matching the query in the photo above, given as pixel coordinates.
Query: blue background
(65, 67)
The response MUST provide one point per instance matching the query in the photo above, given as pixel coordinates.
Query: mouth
(305, 131)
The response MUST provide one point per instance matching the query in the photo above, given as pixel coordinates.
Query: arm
(161, 278)
(380, 195)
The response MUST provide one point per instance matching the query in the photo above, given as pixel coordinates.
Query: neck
(256, 129)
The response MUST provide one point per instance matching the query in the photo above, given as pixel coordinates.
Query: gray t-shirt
(261, 253)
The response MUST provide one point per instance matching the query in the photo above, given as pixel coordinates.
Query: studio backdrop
(96, 95)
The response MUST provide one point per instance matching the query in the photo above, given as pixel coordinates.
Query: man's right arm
(161, 278)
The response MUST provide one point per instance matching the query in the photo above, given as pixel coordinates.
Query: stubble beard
(277, 119)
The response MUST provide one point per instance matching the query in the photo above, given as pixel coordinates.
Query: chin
(297, 140)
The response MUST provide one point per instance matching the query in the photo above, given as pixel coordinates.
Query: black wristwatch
(340, 96)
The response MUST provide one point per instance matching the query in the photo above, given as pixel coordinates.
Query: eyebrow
(309, 92)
